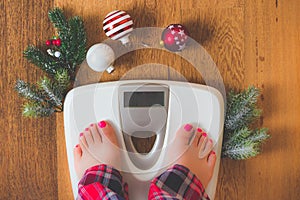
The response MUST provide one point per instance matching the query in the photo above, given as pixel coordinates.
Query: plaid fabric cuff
(103, 182)
(178, 182)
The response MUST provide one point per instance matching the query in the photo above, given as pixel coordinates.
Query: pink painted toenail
(81, 134)
(91, 125)
(102, 124)
(212, 152)
(199, 130)
(77, 145)
(204, 134)
(86, 129)
(188, 127)
(210, 140)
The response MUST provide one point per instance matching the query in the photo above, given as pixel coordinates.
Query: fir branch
(62, 78)
(61, 25)
(46, 97)
(62, 84)
(42, 60)
(78, 37)
(28, 91)
(32, 109)
(58, 19)
(73, 36)
(241, 142)
(244, 143)
(259, 135)
(241, 151)
(238, 136)
(241, 109)
(49, 88)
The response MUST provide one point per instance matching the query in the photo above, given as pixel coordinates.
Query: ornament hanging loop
(110, 69)
(125, 40)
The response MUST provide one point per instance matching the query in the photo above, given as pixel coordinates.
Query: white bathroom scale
(144, 108)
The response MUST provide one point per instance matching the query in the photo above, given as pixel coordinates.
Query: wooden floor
(252, 42)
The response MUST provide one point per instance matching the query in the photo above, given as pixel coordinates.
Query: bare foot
(193, 149)
(97, 145)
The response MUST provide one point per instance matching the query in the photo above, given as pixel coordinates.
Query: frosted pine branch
(42, 60)
(28, 91)
(241, 151)
(62, 79)
(259, 135)
(73, 36)
(31, 109)
(58, 19)
(46, 97)
(241, 109)
(47, 86)
(241, 142)
(237, 136)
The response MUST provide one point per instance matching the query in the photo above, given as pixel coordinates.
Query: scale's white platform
(200, 105)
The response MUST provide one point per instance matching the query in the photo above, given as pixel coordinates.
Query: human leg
(193, 164)
(97, 160)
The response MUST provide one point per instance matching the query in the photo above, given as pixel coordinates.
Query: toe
(95, 133)
(202, 141)
(206, 146)
(185, 134)
(211, 160)
(105, 129)
(82, 142)
(197, 137)
(88, 136)
(77, 153)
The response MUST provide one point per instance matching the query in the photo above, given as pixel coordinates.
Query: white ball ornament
(57, 54)
(100, 57)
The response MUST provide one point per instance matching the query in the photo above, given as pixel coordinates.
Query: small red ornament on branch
(55, 42)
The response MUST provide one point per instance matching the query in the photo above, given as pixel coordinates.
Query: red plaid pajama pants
(105, 183)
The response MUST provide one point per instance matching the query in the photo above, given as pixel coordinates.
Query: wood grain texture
(28, 146)
(64, 186)
(272, 58)
(252, 42)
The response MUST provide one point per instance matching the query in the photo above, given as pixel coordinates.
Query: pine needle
(31, 109)
(241, 151)
(259, 135)
(241, 109)
(241, 142)
(49, 90)
(42, 60)
(28, 91)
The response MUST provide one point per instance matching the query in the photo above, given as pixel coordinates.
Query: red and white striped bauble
(118, 25)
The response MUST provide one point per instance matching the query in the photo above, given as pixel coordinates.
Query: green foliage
(259, 135)
(241, 109)
(241, 142)
(51, 92)
(28, 91)
(241, 151)
(73, 38)
(244, 143)
(44, 61)
(62, 79)
(34, 109)
(46, 96)
(58, 19)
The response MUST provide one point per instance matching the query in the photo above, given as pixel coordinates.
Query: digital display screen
(143, 99)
